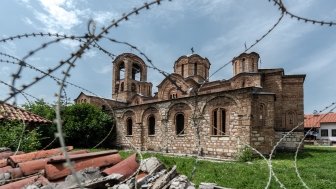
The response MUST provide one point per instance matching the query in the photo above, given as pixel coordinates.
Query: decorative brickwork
(190, 113)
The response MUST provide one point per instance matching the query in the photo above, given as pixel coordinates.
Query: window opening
(218, 121)
(121, 71)
(151, 125)
(324, 133)
(179, 123)
(136, 72)
(129, 123)
(195, 68)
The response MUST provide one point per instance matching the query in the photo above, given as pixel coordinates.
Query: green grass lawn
(317, 167)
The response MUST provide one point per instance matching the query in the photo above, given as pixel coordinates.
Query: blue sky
(216, 29)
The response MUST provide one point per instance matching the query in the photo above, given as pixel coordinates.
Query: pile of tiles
(47, 169)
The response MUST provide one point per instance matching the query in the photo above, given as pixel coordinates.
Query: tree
(47, 131)
(86, 125)
(11, 132)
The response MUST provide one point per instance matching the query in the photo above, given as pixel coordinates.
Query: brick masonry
(254, 107)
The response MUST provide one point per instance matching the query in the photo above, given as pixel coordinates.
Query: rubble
(46, 169)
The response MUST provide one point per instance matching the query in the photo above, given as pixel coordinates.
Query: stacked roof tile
(10, 112)
(315, 120)
(105, 169)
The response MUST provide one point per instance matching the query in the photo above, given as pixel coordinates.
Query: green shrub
(245, 154)
(85, 125)
(11, 132)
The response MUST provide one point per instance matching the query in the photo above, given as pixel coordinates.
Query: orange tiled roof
(10, 112)
(312, 120)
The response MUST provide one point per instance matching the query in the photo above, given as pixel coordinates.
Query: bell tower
(129, 78)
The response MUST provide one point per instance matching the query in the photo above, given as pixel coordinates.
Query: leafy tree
(12, 131)
(86, 125)
(47, 131)
(41, 108)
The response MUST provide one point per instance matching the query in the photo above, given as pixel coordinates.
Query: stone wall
(198, 125)
(291, 142)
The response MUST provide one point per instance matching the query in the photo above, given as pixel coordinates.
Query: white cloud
(56, 16)
(102, 17)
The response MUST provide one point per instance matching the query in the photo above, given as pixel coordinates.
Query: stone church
(191, 115)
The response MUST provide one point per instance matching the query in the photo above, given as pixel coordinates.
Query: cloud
(56, 16)
(102, 17)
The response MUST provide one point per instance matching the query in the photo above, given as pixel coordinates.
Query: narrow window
(151, 125)
(136, 72)
(179, 121)
(324, 133)
(214, 128)
(262, 114)
(195, 68)
(243, 65)
(218, 121)
(223, 119)
(129, 123)
(121, 71)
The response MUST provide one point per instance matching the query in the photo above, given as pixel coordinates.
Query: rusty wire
(92, 39)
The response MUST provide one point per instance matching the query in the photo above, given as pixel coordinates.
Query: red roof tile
(312, 120)
(10, 112)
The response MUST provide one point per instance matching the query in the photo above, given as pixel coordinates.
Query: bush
(86, 125)
(48, 130)
(245, 154)
(11, 132)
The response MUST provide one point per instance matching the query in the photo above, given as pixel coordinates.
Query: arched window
(136, 72)
(218, 121)
(243, 65)
(290, 120)
(129, 125)
(121, 71)
(262, 114)
(179, 122)
(103, 107)
(151, 125)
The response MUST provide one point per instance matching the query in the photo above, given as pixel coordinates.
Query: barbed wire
(284, 9)
(91, 40)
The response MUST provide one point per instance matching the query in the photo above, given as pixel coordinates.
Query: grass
(317, 167)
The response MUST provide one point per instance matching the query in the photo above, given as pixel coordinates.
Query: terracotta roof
(312, 120)
(10, 112)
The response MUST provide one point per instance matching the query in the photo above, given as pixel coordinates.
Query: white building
(321, 126)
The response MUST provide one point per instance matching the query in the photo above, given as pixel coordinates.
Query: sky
(216, 29)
